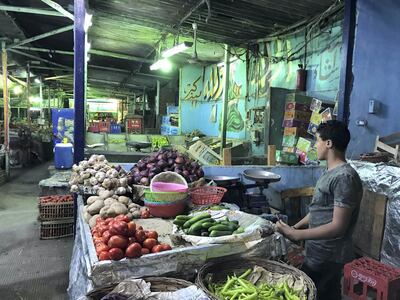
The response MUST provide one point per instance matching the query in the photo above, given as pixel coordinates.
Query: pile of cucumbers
(203, 224)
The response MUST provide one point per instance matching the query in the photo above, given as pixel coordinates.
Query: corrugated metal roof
(136, 27)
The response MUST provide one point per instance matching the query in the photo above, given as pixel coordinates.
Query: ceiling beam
(50, 51)
(59, 8)
(120, 56)
(29, 10)
(42, 36)
(41, 59)
(129, 72)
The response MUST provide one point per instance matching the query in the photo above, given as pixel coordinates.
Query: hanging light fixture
(176, 49)
(163, 64)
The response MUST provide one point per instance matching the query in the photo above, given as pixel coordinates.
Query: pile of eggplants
(163, 161)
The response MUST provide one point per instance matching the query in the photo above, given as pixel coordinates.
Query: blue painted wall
(376, 66)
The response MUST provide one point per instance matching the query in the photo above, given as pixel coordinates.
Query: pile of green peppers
(238, 288)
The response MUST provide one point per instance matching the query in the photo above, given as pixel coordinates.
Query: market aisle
(30, 268)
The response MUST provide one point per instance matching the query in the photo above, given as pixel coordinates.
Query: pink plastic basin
(168, 187)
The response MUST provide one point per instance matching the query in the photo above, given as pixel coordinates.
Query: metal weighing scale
(255, 203)
(138, 146)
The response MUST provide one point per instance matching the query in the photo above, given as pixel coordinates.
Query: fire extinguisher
(301, 79)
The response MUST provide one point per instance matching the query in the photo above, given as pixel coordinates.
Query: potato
(95, 207)
(106, 183)
(86, 216)
(123, 200)
(110, 201)
(92, 199)
(119, 208)
(111, 213)
(92, 221)
(104, 194)
(104, 211)
(121, 191)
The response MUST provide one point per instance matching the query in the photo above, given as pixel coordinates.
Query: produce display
(55, 199)
(203, 224)
(119, 237)
(109, 205)
(97, 175)
(241, 288)
(164, 160)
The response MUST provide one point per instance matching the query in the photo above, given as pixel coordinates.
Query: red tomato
(149, 243)
(165, 247)
(102, 229)
(152, 234)
(101, 247)
(131, 229)
(131, 240)
(118, 241)
(104, 255)
(123, 218)
(118, 227)
(140, 236)
(106, 236)
(97, 240)
(116, 253)
(156, 249)
(145, 251)
(96, 234)
(108, 220)
(133, 251)
(99, 220)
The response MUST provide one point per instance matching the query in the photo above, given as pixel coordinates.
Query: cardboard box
(289, 149)
(295, 123)
(298, 98)
(286, 157)
(297, 115)
(303, 145)
(297, 106)
(289, 140)
(296, 131)
(204, 154)
(312, 129)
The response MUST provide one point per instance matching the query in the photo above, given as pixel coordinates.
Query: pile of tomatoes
(55, 199)
(119, 237)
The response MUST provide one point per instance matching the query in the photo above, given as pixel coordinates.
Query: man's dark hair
(335, 131)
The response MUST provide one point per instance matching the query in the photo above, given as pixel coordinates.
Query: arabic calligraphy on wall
(192, 91)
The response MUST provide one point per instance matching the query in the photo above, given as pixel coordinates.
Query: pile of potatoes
(97, 175)
(108, 205)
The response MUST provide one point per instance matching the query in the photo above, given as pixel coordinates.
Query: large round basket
(158, 284)
(220, 270)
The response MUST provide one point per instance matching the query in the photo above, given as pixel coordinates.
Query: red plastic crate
(104, 126)
(135, 125)
(366, 276)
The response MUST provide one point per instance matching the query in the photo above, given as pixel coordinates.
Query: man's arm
(334, 229)
(303, 223)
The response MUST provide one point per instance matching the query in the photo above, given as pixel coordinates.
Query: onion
(179, 160)
(144, 173)
(150, 165)
(152, 159)
(160, 157)
(161, 163)
(185, 173)
(199, 173)
(171, 161)
(144, 181)
(151, 174)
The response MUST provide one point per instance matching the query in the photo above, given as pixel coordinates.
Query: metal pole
(28, 101)
(79, 80)
(6, 109)
(59, 8)
(225, 99)
(158, 104)
(49, 103)
(29, 10)
(143, 102)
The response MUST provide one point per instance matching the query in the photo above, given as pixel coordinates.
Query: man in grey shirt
(328, 227)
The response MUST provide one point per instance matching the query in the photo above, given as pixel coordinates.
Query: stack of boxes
(295, 123)
(302, 117)
(170, 122)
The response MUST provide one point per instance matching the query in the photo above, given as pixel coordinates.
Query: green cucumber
(234, 221)
(196, 218)
(216, 233)
(219, 227)
(193, 231)
(179, 223)
(183, 217)
(224, 222)
(207, 225)
(239, 230)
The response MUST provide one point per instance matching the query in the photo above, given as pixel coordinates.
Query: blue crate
(173, 130)
(166, 120)
(164, 130)
(115, 128)
(172, 110)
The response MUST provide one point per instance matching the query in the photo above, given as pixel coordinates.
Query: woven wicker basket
(158, 284)
(220, 270)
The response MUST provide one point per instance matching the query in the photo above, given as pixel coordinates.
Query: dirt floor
(30, 268)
